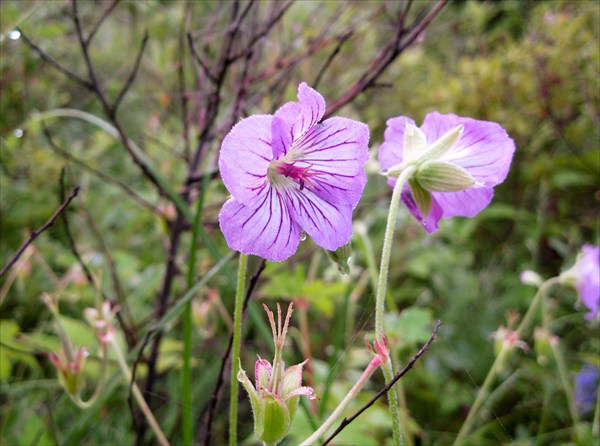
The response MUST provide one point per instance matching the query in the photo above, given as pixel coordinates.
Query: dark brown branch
(384, 58)
(103, 17)
(38, 231)
(198, 58)
(212, 405)
(124, 186)
(334, 53)
(346, 421)
(49, 59)
(132, 75)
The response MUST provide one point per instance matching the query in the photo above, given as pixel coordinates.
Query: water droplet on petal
(303, 236)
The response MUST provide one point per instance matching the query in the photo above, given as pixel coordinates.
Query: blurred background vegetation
(531, 66)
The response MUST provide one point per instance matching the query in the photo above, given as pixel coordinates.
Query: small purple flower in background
(585, 277)
(586, 387)
(458, 162)
(288, 173)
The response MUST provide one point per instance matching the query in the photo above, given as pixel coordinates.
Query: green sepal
(340, 257)
(441, 176)
(275, 421)
(422, 197)
(442, 145)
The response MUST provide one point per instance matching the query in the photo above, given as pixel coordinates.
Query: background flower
(480, 150)
(288, 173)
(585, 277)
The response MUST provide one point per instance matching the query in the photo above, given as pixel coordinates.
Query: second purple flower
(287, 173)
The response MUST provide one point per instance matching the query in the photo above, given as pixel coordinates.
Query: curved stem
(162, 440)
(380, 336)
(501, 358)
(386, 253)
(375, 362)
(90, 402)
(235, 353)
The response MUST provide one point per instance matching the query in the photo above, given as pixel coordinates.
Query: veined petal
(245, 156)
(302, 115)
(484, 149)
(292, 378)
(303, 390)
(262, 373)
(335, 153)
(329, 225)
(264, 228)
(391, 152)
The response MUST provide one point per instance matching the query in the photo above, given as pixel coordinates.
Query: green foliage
(530, 66)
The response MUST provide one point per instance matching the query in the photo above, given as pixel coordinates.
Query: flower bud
(543, 342)
(505, 338)
(532, 278)
(341, 257)
(275, 395)
(69, 371)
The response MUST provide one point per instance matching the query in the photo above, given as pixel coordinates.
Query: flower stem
(235, 351)
(162, 440)
(375, 362)
(500, 359)
(387, 252)
(186, 372)
(388, 370)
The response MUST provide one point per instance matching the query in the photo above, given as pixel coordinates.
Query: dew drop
(14, 34)
(86, 353)
(18, 133)
(303, 236)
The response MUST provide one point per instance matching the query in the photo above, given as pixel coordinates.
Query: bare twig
(132, 75)
(103, 17)
(342, 39)
(212, 405)
(385, 57)
(38, 231)
(346, 421)
(109, 179)
(49, 59)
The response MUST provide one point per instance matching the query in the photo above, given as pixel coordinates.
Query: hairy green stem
(387, 252)
(235, 350)
(388, 370)
(501, 358)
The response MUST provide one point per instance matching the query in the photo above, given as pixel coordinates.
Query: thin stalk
(314, 438)
(162, 440)
(235, 351)
(388, 369)
(564, 379)
(596, 422)
(186, 373)
(501, 358)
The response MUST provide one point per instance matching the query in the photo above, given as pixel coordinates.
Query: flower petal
(245, 156)
(485, 150)
(464, 203)
(302, 115)
(262, 373)
(588, 284)
(264, 228)
(335, 153)
(329, 224)
(292, 378)
(391, 151)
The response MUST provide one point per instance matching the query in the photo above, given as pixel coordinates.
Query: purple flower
(457, 163)
(585, 277)
(288, 173)
(586, 386)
